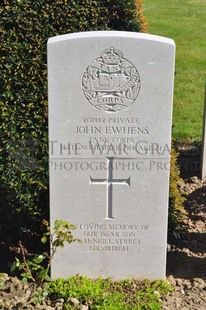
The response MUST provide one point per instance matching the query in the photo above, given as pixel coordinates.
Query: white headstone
(203, 159)
(110, 110)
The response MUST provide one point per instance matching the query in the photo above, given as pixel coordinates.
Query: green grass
(105, 294)
(185, 22)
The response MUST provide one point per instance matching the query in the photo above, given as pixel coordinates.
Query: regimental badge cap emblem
(111, 83)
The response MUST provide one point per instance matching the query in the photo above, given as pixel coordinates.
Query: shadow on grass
(189, 159)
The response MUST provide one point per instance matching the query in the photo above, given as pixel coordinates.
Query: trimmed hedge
(177, 213)
(25, 26)
(141, 17)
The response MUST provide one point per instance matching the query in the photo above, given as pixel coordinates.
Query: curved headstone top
(110, 119)
(113, 34)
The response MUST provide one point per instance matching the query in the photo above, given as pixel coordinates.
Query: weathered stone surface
(110, 107)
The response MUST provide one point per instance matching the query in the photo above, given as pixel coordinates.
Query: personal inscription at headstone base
(110, 107)
(203, 155)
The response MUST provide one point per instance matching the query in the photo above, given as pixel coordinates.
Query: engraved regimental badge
(111, 83)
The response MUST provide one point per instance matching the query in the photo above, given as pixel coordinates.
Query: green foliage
(25, 27)
(107, 294)
(122, 15)
(32, 267)
(177, 213)
(3, 278)
(2, 283)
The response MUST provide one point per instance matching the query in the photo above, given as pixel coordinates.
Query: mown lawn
(185, 22)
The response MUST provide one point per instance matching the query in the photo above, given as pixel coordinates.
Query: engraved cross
(109, 181)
